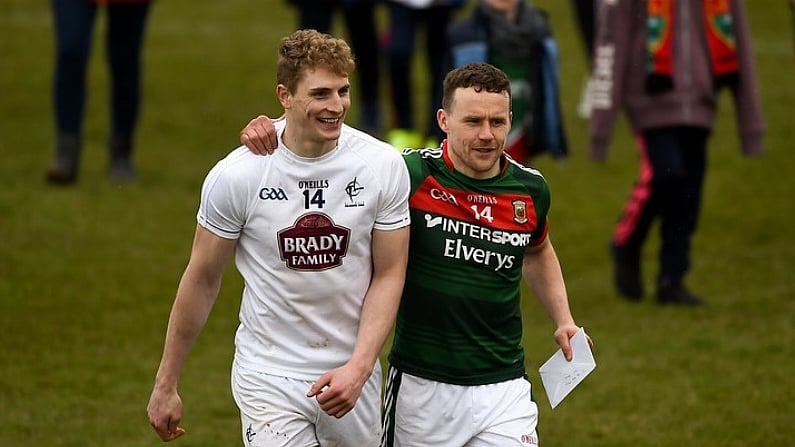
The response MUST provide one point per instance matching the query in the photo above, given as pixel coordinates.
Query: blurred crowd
(662, 63)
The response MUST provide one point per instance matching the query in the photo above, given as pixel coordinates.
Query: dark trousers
(585, 15)
(360, 21)
(673, 161)
(404, 23)
(74, 20)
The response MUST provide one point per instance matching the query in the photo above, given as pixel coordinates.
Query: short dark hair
(309, 49)
(479, 75)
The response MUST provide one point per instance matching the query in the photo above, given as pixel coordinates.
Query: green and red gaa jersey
(459, 320)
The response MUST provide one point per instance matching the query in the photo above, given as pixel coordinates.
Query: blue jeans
(74, 22)
(404, 23)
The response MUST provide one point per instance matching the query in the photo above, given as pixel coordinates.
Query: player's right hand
(165, 412)
(338, 390)
(259, 135)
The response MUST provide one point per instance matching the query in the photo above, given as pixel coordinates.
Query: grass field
(88, 274)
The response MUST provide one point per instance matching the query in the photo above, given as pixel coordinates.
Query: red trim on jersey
(447, 160)
(507, 212)
(541, 238)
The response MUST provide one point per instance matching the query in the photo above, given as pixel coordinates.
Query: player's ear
(441, 120)
(285, 98)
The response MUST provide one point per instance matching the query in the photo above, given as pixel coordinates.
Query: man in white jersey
(320, 236)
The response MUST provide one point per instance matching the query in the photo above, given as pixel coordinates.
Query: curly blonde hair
(309, 49)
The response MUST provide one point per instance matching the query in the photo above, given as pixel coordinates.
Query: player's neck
(306, 147)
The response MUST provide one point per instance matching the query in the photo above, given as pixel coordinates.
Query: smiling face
(476, 122)
(312, 75)
(315, 111)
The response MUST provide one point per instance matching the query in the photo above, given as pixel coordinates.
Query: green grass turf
(88, 274)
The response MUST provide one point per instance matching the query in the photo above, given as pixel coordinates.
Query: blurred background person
(362, 30)
(74, 23)
(585, 19)
(407, 18)
(516, 37)
(664, 62)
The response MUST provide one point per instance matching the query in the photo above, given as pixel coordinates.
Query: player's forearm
(552, 295)
(378, 316)
(390, 256)
(543, 274)
(189, 313)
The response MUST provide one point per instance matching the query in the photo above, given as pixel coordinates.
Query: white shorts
(275, 412)
(421, 412)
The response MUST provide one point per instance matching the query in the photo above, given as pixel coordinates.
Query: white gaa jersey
(304, 229)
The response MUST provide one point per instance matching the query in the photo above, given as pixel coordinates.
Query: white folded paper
(560, 376)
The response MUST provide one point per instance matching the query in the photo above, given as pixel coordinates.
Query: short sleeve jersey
(304, 231)
(459, 320)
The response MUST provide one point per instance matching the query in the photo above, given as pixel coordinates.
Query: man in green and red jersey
(478, 226)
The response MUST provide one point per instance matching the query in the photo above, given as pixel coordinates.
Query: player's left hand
(338, 390)
(563, 336)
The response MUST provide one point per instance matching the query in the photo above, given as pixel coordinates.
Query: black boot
(63, 170)
(626, 272)
(675, 293)
(121, 167)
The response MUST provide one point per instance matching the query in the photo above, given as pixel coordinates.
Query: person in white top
(320, 236)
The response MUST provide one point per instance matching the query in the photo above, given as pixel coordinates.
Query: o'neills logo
(313, 243)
